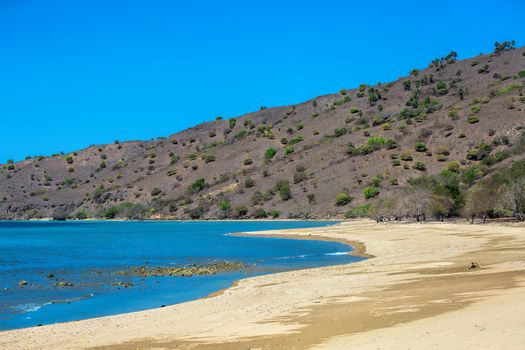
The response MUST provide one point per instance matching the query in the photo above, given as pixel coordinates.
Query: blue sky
(82, 72)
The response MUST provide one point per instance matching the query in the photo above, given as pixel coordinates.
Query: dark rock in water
(50, 275)
(63, 284)
(188, 271)
(163, 306)
(122, 284)
(22, 283)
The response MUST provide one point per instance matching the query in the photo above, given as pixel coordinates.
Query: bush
(342, 199)
(241, 134)
(473, 119)
(196, 213)
(109, 213)
(406, 156)
(240, 210)
(454, 166)
(208, 158)
(420, 166)
(295, 140)
(283, 187)
(420, 146)
(441, 158)
(376, 181)
(376, 142)
(442, 88)
(270, 153)
(339, 132)
(289, 150)
(391, 144)
(248, 161)
(365, 149)
(359, 211)
(509, 88)
(260, 213)
(249, 182)
(311, 198)
(371, 192)
(81, 215)
(274, 214)
(156, 191)
(197, 186)
(299, 176)
(396, 162)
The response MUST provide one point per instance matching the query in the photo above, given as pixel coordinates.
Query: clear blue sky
(80, 72)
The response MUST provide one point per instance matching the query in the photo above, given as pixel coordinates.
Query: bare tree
(416, 203)
(513, 198)
(409, 203)
(480, 202)
(440, 206)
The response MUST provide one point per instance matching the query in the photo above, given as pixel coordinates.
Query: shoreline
(415, 261)
(47, 219)
(358, 248)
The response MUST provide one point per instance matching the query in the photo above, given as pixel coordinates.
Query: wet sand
(416, 291)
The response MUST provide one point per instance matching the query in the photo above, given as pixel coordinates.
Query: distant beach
(431, 285)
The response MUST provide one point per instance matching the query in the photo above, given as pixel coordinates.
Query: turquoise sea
(88, 254)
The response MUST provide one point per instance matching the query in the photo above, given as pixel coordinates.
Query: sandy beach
(417, 290)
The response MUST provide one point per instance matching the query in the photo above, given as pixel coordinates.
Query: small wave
(338, 253)
(30, 307)
(302, 256)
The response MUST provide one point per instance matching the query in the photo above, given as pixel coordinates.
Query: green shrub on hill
(283, 187)
(420, 166)
(473, 119)
(342, 199)
(376, 142)
(270, 153)
(197, 185)
(370, 192)
(359, 211)
(420, 146)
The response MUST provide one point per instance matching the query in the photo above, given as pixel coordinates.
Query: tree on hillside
(480, 202)
(513, 198)
(411, 203)
(504, 46)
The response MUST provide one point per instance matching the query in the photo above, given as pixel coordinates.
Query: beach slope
(425, 286)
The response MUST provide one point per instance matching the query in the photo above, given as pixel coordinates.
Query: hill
(335, 155)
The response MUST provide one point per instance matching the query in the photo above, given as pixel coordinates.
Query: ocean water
(88, 254)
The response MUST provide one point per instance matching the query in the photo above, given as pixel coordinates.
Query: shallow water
(88, 254)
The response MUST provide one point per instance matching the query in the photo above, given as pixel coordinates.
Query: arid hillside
(323, 158)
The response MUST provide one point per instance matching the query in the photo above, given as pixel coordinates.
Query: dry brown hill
(292, 161)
